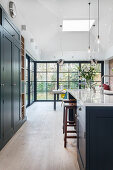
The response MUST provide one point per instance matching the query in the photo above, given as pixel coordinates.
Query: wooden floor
(38, 145)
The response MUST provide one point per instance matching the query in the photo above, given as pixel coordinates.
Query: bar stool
(66, 101)
(67, 123)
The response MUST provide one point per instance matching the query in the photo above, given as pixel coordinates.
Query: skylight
(77, 25)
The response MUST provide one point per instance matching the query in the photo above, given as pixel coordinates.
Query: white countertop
(89, 98)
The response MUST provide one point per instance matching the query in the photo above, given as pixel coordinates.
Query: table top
(59, 91)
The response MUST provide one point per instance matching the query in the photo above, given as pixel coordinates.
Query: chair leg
(65, 135)
(63, 119)
(76, 122)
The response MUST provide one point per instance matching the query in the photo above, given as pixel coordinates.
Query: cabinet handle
(2, 84)
(80, 108)
(84, 134)
(13, 84)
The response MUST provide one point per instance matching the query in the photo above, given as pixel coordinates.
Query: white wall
(18, 21)
(106, 71)
(43, 19)
(68, 55)
(109, 53)
(74, 45)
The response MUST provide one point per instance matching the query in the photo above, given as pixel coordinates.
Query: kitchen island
(94, 129)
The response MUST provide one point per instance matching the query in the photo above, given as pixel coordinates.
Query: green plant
(87, 73)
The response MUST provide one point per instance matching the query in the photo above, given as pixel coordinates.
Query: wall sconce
(32, 40)
(36, 47)
(23, 27)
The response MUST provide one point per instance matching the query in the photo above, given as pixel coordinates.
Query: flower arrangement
(87, 73)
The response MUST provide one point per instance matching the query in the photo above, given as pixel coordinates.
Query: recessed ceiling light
(77, 25)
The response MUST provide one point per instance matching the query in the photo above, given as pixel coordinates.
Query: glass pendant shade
(98, 40)
(89, 50)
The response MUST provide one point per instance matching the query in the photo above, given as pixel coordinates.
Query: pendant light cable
(98, 41)
(61, 41)
(89, 49)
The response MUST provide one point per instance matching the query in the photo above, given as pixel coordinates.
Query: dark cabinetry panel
(0, 16)
(95, 147)
(81, 143)
(10, 94)
(101, 138)
(7, 57)
(10, 28)
(16, 84)
(1, 87)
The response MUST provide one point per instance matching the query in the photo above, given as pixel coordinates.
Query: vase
(88, 84)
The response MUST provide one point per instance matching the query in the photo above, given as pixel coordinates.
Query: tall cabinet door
(7, 56)
(16, 84)
(81, 133)
(1, 86)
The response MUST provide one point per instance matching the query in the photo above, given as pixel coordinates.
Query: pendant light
(93, 61)
(61, 61)
(89, 48)
(98, 38)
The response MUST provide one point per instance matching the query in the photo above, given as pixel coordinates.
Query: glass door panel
(50, 87)
(46, 80)
(41, 90)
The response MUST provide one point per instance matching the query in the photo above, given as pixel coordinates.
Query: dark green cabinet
(7, 62)
(1, 86)
(101, 137)
(81, 132)
(10, 27)
(16, 84)
(95, 137)
(10, 79)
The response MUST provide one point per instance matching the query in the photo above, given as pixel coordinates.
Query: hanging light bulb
(89, 48)
(98, 38)
(61, 61)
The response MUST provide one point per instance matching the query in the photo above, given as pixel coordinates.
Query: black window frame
(29, 80)
(46, 78)
(79, 62)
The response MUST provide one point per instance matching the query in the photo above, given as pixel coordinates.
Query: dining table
(57, 92)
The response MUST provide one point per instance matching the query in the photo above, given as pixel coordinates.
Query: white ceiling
(43, 18)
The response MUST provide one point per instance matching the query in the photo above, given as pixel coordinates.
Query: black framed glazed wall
(46, 80)
(29, 80)
(49, 75)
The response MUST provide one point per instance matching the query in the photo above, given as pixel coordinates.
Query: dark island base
(95, 137)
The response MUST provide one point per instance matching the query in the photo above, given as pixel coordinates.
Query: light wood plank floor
(38, 145)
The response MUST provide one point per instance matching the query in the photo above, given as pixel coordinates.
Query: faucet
(93, 87)
(102, 89)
